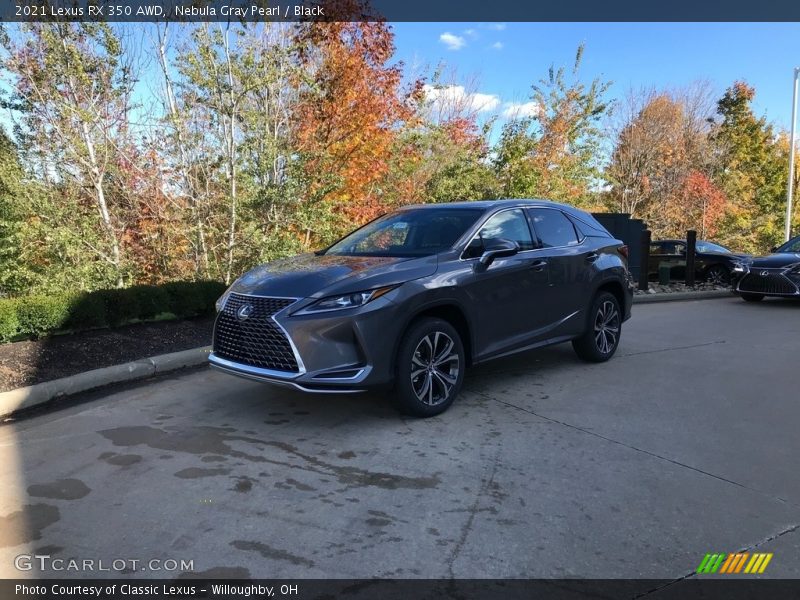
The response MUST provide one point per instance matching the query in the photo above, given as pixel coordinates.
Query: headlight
(220, 303)
(345, 301)
(740, 266)
(794, 270)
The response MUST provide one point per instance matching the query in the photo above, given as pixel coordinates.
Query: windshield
(791, 247)
(711, 247)
(413, 232)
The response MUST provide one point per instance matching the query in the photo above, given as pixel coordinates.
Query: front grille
(257, 340)
(771, 283)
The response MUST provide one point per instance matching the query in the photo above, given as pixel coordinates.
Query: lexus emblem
(764, 273)
(244, 312)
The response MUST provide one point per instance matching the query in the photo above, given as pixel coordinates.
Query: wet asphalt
(685, 443)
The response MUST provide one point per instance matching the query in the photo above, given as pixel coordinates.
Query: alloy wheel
(717, 276)
(434, 368)
(606, 327)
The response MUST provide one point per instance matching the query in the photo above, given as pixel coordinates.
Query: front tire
(751, 297)
(430, 368)
(601, 339)
(718, 275)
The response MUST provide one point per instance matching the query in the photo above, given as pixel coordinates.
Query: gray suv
(413, 298)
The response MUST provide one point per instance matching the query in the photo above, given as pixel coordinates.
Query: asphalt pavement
(685, 443)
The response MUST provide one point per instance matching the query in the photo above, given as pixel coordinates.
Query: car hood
(734, 255)
(774, 261)
(312, 276)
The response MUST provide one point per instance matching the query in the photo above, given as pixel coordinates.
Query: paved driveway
(686, 443)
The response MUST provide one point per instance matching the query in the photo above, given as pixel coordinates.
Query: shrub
(87, 311)
(152, 299)
(39, 314)
(122, 306)
(32, 316)
(210, 291)
(184, 299)
(9, 324)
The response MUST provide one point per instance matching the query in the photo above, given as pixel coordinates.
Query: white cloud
(497, 26)
(452, 41)
(518, 110)
(456, 95)
(470, 33)
(497, 46)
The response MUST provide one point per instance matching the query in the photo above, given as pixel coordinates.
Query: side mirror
(498, 248)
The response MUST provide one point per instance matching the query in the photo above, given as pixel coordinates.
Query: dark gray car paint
(516, 303)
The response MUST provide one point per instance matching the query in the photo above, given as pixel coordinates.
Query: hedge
(33, 316)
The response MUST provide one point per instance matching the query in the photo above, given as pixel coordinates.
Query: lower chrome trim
(269, 376)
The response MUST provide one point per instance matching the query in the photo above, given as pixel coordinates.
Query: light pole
(790, 186)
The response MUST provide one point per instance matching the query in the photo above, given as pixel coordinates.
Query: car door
(657, 250)
(569, 263)
(504, 296)
(677, 262)
(671, 254)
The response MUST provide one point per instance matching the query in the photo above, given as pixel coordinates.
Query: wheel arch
(613, 287)
(449, 311)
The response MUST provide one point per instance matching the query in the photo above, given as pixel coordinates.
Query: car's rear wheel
(601, 339)
(752, 297)
(718, 275)
(430, 368)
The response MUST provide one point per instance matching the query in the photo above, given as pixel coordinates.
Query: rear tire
(604, 327)
(430, 368)
(752, 297)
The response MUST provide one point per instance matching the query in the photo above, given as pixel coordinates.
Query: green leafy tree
(11, 219)
(71, 90)
(752, 172)
(556, 153)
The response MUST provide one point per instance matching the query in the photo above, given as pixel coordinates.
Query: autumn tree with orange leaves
(348, 112)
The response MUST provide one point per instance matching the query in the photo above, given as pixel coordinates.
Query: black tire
(604, 327)
(752, 297)
(423, 386)
(718, 275)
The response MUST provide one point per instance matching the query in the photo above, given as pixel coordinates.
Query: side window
(507, 225)
(656, 248)
(553, 228)
(680, 249)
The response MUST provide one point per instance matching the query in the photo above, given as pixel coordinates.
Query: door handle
(538, 265)
(592, 257)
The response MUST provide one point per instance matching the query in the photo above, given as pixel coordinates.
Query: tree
(11, 175)
(662, 165)
(442, 153)
(752, 171)
(349, 110)
(698, 204)
(72, 89)
(556, 152)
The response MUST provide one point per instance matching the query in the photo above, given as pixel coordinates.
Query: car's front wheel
(601, 339)
(718, 275)
(430, 368)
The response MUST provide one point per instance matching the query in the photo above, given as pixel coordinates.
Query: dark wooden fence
(630, 231)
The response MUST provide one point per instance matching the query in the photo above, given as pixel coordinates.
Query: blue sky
(507, 58)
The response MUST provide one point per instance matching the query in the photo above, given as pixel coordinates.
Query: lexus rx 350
(413, 298)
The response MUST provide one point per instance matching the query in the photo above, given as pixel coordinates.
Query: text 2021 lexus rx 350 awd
(416, 296)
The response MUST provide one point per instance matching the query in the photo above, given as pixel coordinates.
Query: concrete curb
(675, 296)
(40, 393)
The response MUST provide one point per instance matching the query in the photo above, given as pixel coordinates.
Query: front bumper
(340, 386)
(345, 351)
(767, 282)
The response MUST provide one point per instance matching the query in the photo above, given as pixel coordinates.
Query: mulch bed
(29, 362)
